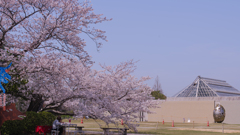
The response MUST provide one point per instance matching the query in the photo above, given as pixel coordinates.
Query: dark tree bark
(60, 113)
(36, 103)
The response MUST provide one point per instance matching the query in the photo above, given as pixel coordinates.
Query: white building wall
(199, 109)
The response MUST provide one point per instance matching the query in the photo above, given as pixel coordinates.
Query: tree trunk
(36, 103)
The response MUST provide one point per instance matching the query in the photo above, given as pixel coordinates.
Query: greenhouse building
(206, 87)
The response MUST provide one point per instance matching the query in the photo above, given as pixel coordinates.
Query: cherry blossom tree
(45, 27)
(51, 70)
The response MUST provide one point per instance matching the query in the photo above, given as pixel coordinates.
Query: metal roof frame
(203, 88)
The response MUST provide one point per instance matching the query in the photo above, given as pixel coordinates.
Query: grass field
(166, 129)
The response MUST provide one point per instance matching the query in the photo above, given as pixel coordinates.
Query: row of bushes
(28, 124)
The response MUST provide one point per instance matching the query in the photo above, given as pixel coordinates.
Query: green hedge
(47, 118)
(12, 127)
(28, 124)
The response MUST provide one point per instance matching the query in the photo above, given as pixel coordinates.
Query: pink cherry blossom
(43, 40)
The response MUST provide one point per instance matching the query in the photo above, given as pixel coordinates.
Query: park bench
(47, 129)
(78, 129)
(121, 131)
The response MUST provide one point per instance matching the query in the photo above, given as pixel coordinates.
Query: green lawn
(166, 129)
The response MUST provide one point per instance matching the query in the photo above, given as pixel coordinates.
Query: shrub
(30, 121)
(12, 127)
(46, 118)
(28, 124)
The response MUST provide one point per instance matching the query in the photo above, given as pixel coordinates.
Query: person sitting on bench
(57, 125)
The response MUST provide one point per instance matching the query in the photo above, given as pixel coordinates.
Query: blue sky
(174, 39)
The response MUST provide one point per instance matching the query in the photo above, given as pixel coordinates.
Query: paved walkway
(98, 132)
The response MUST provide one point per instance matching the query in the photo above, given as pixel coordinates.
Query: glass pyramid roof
(206, 87)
